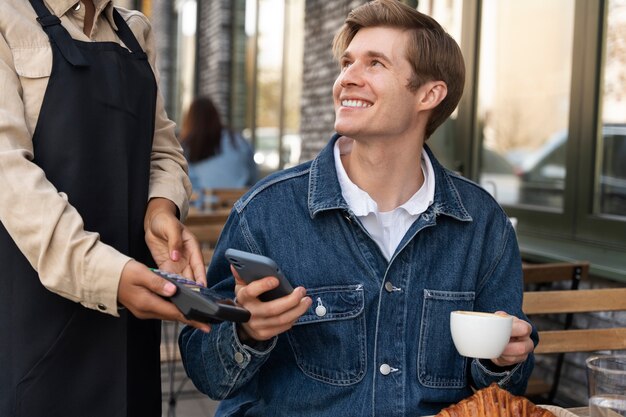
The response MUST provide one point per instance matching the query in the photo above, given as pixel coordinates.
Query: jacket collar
(325, 191)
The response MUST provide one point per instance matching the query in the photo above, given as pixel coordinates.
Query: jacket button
(385, 369)
(239, 357)
(388, 286)
(102, 307)
(320, 310)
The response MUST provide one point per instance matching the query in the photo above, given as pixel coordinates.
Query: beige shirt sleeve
(70, 261)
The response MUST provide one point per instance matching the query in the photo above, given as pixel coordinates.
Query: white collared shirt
(389, 227)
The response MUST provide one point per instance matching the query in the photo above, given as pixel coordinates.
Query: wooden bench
(570, 339)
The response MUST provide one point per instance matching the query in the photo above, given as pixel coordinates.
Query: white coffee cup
(480, 335)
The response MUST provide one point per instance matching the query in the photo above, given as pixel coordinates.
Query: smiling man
(381, 243)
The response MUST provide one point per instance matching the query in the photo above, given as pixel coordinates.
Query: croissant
(494, 401)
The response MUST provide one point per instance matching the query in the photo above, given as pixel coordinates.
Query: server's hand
(173, 247)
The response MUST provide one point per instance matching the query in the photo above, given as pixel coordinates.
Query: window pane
(275, 71)
(186, 56)
(292, 82)
(268, 83)
(611, 177)
(523, 99)
(449, 14)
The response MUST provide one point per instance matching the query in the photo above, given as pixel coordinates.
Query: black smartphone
(199, 303)
(251, 267)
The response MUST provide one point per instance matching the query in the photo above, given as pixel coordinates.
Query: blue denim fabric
(461, 253)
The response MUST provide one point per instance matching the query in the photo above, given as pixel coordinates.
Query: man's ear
(431, 94)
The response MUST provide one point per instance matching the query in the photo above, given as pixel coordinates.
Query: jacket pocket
(439, 364)
(32, 62)
(335, 321)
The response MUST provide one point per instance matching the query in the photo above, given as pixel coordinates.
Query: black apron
(93, 140)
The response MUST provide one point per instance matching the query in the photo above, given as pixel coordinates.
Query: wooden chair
(581, 301)
(574, 340)
(547, 273)
(207, 227)
(541, 277)
(176, 383)
(222, 198)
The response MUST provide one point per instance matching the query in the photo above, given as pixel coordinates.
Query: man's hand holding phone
(268, 318)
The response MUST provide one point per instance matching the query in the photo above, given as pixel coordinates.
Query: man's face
(370, 94)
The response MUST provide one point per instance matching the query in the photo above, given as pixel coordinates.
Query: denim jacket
(376, 340)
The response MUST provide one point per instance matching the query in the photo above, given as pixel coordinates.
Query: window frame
(576, 232)
(594, 226)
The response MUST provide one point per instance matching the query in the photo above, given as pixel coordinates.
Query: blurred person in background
(218, 157)
(93, 190)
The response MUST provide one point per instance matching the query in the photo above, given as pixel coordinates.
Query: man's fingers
(284, 317)
(248, 297)
(284, 304)
(238, 280)
(516, 349)
(254, 289)
(270, 318)
(264, 328)
(520, 328)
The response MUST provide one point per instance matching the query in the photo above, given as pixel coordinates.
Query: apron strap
(51, 24)
(127, 36)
